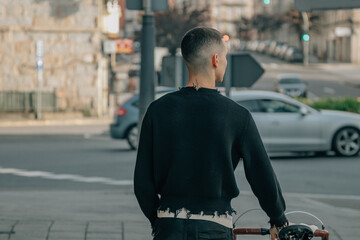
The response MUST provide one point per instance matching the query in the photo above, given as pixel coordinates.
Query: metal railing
(14, 101)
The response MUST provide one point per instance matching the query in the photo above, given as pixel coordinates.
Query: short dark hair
(196, 40)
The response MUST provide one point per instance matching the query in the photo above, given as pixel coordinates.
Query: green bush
(347, 104)
(86, 112)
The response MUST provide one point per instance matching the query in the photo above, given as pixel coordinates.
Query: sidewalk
(347, 71)
(75, 126)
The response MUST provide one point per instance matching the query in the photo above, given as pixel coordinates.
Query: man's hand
(274, 231)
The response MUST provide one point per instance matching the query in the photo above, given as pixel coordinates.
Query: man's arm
(144, 186)
(260, 174)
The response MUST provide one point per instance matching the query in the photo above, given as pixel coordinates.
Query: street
(88, 178)
(83, 159)
(322, 82)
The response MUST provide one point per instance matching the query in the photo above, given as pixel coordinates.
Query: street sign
(156, 5)
(342, 31)
(124, 45)
(242, 71)
(109, 46)
(39, 54)
(311, 5)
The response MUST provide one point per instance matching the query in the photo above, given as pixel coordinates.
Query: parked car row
(285, 124)
(275, 49)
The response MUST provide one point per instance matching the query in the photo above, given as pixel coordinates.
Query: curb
(66, 122)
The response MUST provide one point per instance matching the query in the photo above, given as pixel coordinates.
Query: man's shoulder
(234, 105)
(164, 99)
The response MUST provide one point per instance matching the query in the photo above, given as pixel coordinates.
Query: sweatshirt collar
(201, 89)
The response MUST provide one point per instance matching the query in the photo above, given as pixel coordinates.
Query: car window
(290, 80)
(251, 105)
(276, 106)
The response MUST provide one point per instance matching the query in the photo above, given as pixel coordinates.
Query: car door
(260, 119)
(289, 129)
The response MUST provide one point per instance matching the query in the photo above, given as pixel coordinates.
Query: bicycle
(291, 232)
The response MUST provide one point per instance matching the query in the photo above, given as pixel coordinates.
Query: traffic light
(266, 2)
(226, 38)
(306, 37)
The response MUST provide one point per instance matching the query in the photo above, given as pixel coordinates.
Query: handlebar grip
(322, 233)
(251, 231)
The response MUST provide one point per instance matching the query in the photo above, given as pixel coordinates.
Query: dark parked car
(291, 85)
(126, 118)
(293, 54)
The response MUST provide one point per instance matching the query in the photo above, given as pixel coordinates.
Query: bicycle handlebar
(263, 231)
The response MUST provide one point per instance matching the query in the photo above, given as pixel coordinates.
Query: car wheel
(132, 137)
(347, 142)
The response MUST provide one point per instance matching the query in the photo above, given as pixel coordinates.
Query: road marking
(70, 177)
(109, 181)
(312, 96)
(329, 90)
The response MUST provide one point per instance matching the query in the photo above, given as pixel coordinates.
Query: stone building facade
(225, 14)
(74, 67)
(339, 39)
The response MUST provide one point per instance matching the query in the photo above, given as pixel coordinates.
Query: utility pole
(305, 38)
(147, 75)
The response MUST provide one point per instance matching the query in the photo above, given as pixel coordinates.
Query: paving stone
(68, 226)
(31, 230)
(98, 226)
(65, 235)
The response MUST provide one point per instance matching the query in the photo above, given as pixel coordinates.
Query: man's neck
(200, 82)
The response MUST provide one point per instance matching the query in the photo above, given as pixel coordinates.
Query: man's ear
(215, 60)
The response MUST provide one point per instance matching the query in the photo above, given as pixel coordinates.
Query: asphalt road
(84, 159)
(321, 83)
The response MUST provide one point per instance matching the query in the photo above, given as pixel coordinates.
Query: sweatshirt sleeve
(144, 186)
(260, 174)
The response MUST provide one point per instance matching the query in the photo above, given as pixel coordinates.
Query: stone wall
(72, 49)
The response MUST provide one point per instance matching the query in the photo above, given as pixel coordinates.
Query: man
(190, 143)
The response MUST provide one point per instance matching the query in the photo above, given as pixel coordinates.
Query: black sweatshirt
(190, 144)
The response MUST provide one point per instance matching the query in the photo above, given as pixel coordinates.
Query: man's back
(194, 156)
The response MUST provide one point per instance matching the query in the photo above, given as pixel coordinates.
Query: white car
(287, 125)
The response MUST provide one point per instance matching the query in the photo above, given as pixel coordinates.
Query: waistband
(224, 219)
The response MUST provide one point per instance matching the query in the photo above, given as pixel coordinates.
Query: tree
(171, 25)
(296, 22)
(244, 28)
(259, 22)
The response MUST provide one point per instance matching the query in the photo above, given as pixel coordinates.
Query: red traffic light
(226, 37)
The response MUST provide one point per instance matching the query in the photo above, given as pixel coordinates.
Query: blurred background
(91, 48)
